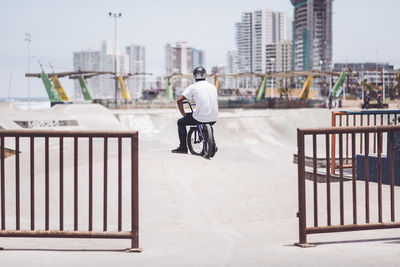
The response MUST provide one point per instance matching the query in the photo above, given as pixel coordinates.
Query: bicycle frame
(199, 126)
(206, 136)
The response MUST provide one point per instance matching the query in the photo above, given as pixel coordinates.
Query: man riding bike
(205, 96)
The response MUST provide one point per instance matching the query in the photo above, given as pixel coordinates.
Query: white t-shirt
(205, 96)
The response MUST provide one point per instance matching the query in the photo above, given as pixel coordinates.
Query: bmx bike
(200, 138)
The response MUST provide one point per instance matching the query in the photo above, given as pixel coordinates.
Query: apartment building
(312, 35)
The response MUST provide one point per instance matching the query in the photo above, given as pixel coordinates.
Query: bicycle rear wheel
(209, 143)
(194, 142)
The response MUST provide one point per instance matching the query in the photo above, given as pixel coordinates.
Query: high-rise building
(180, 58)
(279, 59)
(312, 35)
(231, 67)
(244, 41)
(279, 56)
(136, 83)
(102, 86)
(87, 60)
(107, 63)
(198, 58)
(258, 29)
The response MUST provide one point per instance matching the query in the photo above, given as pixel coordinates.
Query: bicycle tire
(195, 145)
(209, 144)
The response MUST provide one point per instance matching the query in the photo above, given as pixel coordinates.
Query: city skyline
(356, 36)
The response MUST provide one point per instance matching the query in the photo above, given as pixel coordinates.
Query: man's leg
(182, 132)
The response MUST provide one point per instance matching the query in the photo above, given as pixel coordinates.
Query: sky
(363, 30)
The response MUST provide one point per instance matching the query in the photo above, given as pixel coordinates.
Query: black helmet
(199, 74)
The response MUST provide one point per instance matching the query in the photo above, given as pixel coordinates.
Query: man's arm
(180, 104)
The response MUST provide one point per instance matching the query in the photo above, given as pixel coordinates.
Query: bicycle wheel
(194, 142)
(209, 144)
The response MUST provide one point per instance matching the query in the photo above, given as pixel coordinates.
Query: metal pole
(383, 83)
(28, 39)
(116, 57)
(115, 16)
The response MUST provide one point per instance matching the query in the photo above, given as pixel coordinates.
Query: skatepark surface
(237, 209)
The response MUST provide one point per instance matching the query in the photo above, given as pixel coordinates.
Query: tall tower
(256, 30)
(312, 35)
(88, 60)
(181, 58)
(244, 43)
(137, 64)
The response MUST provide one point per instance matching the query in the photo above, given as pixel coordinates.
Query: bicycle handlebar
(190, 104)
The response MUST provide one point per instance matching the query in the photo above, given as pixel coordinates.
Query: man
(330, 99)
(205, 96)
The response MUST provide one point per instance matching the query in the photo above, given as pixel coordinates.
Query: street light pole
(115, 16)
(28, 40)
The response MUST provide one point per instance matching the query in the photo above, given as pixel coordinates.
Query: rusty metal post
(361, 136)
(135, 194)
(374, 134)
(353, 176)
(315, 185)
(17, 186)
(380, 177)
(105, 188)
(333, 145)
(61, 159)
(90, 184)
(119, 184)
(341, 178)
(301, 189)
(328, 182)
(46, 186)
(3, 191)
(32, 145)
(347, 140)
(367, 177)
(381, 125)
(392, 202)
(76, 206)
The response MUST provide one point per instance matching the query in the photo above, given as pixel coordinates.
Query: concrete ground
(238, 209)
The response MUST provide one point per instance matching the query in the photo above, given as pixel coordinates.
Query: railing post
(333, 145)
(135, 194)
(301, 190)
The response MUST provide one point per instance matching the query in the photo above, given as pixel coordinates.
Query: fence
(371, 174)
(360, 118)
(81, 185)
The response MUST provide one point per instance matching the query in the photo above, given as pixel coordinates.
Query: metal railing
(81, 184)
(356, 119)
(344, 215)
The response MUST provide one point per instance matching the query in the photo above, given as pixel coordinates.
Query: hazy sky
(363, 30)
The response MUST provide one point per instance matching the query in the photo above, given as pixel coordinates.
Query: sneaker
(181, 150)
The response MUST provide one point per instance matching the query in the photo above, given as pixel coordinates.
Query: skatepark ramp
(85, 168)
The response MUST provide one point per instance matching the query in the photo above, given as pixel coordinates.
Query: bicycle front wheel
(194, 142)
